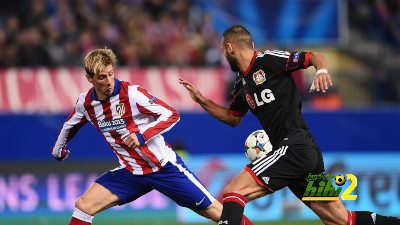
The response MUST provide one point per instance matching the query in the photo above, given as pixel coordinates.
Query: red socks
(75, 221)
(351, 217)
(234, 197)
(79, 217)
(246, 221)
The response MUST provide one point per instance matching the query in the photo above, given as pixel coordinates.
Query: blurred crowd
(144, 33)
(379, 22)
(377, 19)
(141, 32)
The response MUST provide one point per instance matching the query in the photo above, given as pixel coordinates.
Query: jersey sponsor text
(266, 97)
(111, 125)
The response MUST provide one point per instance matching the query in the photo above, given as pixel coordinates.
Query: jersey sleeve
(282, 61)
(148, 104)
(70, 128)
(237, 106)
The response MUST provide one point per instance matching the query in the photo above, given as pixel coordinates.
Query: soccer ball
(340, 180)
(257, 145)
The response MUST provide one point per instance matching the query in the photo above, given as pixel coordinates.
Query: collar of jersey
(251, 64)
(117, 88)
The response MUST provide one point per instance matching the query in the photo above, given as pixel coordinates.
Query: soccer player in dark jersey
(124, 114)
(265, 86)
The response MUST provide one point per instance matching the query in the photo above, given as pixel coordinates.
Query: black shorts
(287, 166)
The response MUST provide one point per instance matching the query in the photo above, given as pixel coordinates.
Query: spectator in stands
(145, 33)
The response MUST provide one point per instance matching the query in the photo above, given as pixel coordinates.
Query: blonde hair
(96, 60)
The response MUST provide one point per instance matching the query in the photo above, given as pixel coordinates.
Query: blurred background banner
(56, 90)
(42, 46)
(199, 134)
(287, 22)
(377, 186)
(39, 194)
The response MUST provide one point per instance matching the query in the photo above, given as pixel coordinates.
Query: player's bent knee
(82, 204)
(229, 189)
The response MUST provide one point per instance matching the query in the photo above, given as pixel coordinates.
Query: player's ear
(252, 43)
(229, 48)
(89, 78)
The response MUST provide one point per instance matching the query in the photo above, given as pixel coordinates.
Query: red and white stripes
(133, 109)
(351, 217)
(234, 197)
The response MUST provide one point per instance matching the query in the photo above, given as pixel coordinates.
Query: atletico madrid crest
(120, 109)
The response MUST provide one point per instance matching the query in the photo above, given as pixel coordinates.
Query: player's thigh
(331, 213)
(115, 187)
(245, 185)
(311, 156)
(97, 198)
(284, 166)
(178, 183)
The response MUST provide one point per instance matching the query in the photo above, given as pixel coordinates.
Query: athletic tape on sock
(79, 214)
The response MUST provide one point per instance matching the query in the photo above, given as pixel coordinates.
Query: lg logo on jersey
(266, 96)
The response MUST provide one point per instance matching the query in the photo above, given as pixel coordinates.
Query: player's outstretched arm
(220, 113)
(322, 79)
(70, 128)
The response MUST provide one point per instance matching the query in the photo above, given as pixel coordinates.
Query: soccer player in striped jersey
(124, 115)
(265, 86)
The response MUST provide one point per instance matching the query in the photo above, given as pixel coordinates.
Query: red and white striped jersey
(131, 109)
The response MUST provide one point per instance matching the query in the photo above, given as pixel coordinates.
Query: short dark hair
(238, 34)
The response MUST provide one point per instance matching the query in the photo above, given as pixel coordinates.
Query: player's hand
(64, 157)
(321, 82)
(132, 141)
(193, 91)
(66, 154)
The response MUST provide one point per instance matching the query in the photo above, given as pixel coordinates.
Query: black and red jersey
(268, 89)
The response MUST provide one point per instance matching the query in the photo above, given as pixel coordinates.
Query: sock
(232, 211)
(75, 221)
(351, 217)
(80, 218)
(246, 221)
(371, 218)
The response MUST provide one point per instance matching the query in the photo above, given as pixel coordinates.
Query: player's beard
(232, 63)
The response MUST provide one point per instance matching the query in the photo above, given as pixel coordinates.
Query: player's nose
(109, 80)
